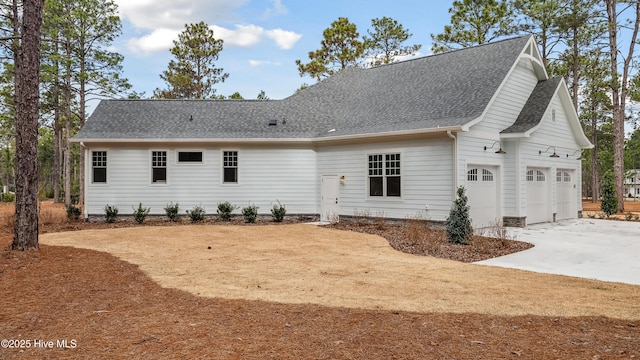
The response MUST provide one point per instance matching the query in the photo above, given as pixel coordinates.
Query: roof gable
(530, 118)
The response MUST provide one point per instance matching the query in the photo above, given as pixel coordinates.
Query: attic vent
(273, 122)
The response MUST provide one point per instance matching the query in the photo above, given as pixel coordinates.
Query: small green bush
(196, 214)
(225, 209)
(172, 211)
(609, 203)
(250, 213)
(458, 224)
(140, 213)
(8, 197)
(278, 212)
(73, 212)
(111, 213)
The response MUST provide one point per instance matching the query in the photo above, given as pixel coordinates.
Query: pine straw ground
(110, 308)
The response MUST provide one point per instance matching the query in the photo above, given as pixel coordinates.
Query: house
(393, 141)
(632, 183)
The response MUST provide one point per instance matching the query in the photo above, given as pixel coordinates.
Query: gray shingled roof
(536, 105)
(444, 90)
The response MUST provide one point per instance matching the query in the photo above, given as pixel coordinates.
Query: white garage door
(566, 190)
(537, 196)
(482, 191)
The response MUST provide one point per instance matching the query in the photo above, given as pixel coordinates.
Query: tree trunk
(57, 133)
(27, 78)
(595, 186)
(68, 116)
(575, 70)
(619, 92)
(83, 114)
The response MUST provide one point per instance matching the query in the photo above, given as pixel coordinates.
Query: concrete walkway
(605, 250)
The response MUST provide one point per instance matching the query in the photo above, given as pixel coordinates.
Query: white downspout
(455, 163)
(85, 152)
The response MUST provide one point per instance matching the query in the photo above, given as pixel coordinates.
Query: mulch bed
(110, 309)
(420, 238)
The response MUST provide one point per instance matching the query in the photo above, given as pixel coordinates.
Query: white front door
(329, 207)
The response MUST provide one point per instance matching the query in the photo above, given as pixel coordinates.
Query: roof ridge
(451, 51)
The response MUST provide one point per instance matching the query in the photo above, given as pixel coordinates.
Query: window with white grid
(384, 175)
(487, 175)
(230, 167)
(158, 166)
(99, 166)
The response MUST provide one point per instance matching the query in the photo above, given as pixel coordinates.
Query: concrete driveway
(605, 250)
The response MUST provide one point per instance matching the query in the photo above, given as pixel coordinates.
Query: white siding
(264, 176)
(511, 98)
(426, 177)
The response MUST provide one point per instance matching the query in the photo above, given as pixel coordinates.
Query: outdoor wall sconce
(575, 152)
(554, 155)
(500, 151)
(342, 180)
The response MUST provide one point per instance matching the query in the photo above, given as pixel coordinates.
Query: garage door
(566, 190)
(537, 196)
(482, 191)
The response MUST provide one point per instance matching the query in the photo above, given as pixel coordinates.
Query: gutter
(314, 140)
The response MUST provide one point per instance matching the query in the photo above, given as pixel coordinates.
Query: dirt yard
(293, 291)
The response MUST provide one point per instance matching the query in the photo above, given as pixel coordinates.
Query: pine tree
(193, 74)
(609, 204)
(458, 224)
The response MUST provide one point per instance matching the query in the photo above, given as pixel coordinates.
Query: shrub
(196, 214)
(278, 212)
(250, 213)
(225, 209)
(111, 213)
(458, 224)
(140, 213)
(172, 211)
(609, 203)
(8, 197)
(73, 212)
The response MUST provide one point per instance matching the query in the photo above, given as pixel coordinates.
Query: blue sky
(262, 38)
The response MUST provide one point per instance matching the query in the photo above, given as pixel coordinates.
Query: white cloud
(158, 40)
(174, 14)
(277, 9)
(285, 39)
(258, 63)
(242, 36)
(160, 22)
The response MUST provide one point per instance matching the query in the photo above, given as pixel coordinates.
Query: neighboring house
(632, 183)
(393, 141)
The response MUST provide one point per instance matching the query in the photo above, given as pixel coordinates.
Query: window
(99, 166)
(539, 175)
(563, 176)
(384, 175)
(487, 175)
(472, 175)
(230, 167)
(158, 167)
(190, 156)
